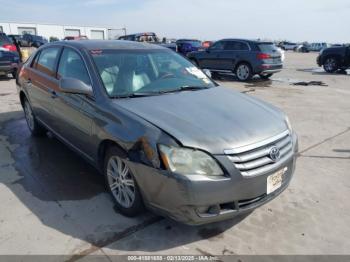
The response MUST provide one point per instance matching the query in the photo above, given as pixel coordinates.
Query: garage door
(72, 32)
(97, 34)
(26, 30)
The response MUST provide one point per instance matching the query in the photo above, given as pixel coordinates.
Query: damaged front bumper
(199, 200)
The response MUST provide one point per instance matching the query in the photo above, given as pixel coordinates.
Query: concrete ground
(52, 202)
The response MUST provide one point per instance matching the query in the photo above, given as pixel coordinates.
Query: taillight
(263, 56)
(10, 47)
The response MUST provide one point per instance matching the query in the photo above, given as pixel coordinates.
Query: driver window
(71, 65)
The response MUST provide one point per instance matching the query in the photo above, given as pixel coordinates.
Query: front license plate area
(274, 181)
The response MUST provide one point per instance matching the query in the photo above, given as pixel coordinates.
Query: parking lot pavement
(52, 202)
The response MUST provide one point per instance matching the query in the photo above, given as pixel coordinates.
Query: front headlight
(288, 124)
(189, 161)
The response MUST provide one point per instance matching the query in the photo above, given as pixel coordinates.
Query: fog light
(214, 210)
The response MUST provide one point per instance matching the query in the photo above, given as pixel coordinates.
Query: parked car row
(244, 58)
(303, 47)
(28, 40)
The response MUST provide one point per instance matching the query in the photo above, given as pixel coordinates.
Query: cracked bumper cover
(183, 197)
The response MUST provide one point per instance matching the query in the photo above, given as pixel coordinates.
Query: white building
(60, 31)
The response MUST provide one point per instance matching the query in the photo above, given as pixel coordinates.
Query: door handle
(53, 94)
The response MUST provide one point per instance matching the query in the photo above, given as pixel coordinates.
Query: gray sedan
(163, 134)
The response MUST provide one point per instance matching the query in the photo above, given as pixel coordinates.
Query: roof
(107, 44)
(186, 39)
(245, 40)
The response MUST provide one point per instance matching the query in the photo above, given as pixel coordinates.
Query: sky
(293, 20)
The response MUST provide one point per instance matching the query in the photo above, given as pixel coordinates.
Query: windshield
(267, 47)
(193, 43)
(147, 38)
(140, 72)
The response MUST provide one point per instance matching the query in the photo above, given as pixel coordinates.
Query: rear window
(47, 60)
(267, 47)
(236, 46)
(4, 39)
(193, 43)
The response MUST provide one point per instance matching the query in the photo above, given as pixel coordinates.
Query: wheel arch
(336, 56)
(102, 150)
(243, 62)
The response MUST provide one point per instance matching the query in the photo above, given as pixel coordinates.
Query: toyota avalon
(162, 133)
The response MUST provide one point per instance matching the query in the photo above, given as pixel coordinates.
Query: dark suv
(185, 46)
(32, 40)
(244, 58)
(334, 58)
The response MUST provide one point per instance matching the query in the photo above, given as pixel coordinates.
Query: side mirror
(207, 72)
(75, 86)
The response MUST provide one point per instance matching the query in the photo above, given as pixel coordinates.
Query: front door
(74, 112)
(211, 59)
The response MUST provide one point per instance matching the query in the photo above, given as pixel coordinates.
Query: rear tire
(35, 128)
(121, 183)
(265, 77)
(243, 72)
(330, 65)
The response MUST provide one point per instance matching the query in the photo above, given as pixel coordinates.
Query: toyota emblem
(275, 154)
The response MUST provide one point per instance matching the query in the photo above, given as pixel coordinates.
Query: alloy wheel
(243, 72)
(121, 182)
(330, 65)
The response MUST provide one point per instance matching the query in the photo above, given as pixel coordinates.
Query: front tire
(34, 127)
(330, 65)
(121, 183)
(243, 72)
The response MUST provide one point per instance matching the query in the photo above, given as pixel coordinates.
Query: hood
(212, 119)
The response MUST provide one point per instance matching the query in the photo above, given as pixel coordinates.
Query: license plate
(274, 181)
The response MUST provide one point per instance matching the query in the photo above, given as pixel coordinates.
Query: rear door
(234, 51)
(41, 83)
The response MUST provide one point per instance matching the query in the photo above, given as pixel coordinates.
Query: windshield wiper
(136, 94)
(184, 88)
(143, 94)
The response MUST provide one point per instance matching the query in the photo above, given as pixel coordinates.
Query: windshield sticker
(195, 71)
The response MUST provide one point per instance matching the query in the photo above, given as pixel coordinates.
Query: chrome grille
(254, 160)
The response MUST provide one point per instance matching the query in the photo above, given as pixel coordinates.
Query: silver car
(163, 134)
